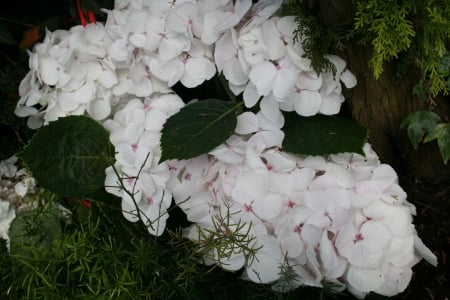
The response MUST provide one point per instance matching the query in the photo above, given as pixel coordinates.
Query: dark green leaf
(36, 230)
(198, 128)
(441, 132)
(69, 156)
(322, 135)
(418, 124)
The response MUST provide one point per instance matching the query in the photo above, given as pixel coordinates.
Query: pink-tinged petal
(370, 245)
(180, 18)
(196, 71)
(247, 122)
(287, 25)
(250, 186)
(307, 103)
(333, 264)
(268, 207)
(49, 70)
(278, 161)
(251, 95)
(262, 75)
(395, 282)
(272, 39)
(364, 279)
(397, 218)
(265, 267)
(285, 79)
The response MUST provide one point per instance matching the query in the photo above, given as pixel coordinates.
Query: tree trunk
(381, 104)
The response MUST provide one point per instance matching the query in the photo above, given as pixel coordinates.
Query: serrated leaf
(441, 133)
(198, 128)
(322, 135)
(69, 156)
(418, 124)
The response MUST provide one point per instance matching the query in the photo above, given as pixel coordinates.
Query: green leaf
(198, 128)
(418, 124)
(34, 230)
(322, 135)
(441, 132)
(69, 156)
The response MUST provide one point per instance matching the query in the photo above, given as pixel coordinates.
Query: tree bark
(381, 104)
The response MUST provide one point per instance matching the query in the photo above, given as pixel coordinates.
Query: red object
(83, 14)
(85, 202)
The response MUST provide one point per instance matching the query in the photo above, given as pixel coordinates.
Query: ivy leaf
(322, 135)
(198, 128)
(441, 133)
(418, 124)
(69, 156)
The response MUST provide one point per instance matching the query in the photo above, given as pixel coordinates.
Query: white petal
(99, 109)
(67, 101)
(251, 95)
(365, 280)
(331, 104)
(49, 70)
(307, 103)
(262, 75)
(247, 122)
(271, 37)
(348, 79)
(196, 71)
(85, 93)
(268, 207)
(265, 267)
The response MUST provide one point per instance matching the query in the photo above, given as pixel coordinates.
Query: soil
(433, 225)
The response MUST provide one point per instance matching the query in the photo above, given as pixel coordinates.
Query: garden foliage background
(102, 254)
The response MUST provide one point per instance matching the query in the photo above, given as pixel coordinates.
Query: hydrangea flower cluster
(341, 218)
